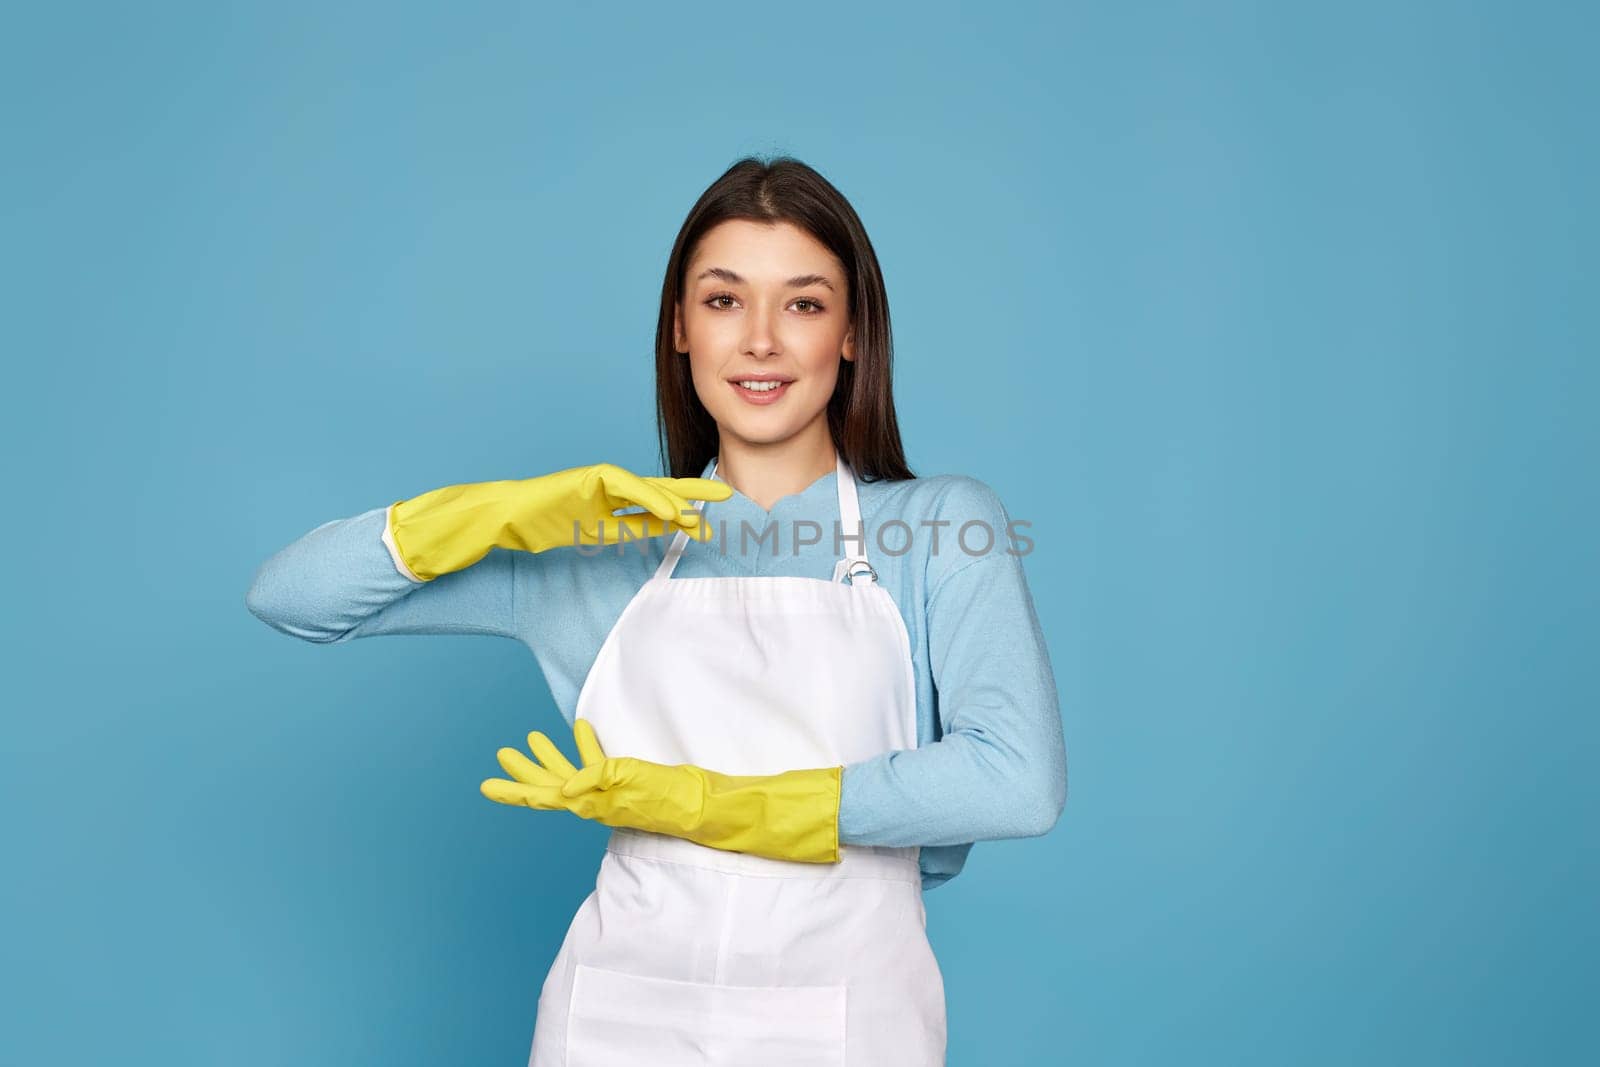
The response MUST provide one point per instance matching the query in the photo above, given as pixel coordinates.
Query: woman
(797, 712)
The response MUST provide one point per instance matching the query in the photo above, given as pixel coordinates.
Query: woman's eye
(717, 302)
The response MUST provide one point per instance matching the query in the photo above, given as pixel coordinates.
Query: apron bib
(689, 956)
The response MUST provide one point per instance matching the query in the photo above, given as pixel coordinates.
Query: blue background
(1277, 323)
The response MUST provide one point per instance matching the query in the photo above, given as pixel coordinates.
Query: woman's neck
(768, 473)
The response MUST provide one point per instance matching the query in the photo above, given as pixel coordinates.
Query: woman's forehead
(742, 251)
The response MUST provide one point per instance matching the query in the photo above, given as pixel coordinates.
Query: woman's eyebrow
(797, 282)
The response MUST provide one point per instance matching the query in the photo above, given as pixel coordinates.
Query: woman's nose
(761, 336)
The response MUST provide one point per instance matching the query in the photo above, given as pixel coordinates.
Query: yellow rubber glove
(789, 816)
(449, 529)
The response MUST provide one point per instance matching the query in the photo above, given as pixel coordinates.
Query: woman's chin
(756, 431)
(761, 436)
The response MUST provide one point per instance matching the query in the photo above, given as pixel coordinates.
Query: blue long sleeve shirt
(991, 759)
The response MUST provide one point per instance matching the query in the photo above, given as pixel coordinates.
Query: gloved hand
(791, 816)
(449, 529)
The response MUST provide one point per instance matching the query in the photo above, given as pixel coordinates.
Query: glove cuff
(792, 816)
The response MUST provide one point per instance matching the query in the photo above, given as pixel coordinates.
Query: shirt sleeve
(340, 581)
(1000, 767)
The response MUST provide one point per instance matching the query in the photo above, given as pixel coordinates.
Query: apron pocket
(619, 1018)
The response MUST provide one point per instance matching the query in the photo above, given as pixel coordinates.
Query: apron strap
(852, 532)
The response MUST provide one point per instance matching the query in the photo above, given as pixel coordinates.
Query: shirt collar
(818, 501)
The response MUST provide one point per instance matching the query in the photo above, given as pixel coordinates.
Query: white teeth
(761, 387)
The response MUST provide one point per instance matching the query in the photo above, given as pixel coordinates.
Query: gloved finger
(684, 516)
(585, 780)
(589, 749)
(549, 755)
(643, 526)
(526, 771)
(607, 774)
(688, 516)
(609, 531)
(543, 798)
(696, 488)
(696, 525)
(625, 489)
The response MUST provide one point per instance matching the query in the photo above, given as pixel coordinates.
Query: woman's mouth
(755, 391)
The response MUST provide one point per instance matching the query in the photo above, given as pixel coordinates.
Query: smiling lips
(760, 388)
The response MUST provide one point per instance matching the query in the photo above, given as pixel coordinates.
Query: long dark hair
(861, 411)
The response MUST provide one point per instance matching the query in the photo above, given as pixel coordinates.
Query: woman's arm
(1000, 770)
(446, 561)
(341, 581)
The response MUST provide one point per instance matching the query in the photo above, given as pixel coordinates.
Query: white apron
(688, 955)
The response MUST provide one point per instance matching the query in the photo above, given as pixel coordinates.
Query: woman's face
(764, 300)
